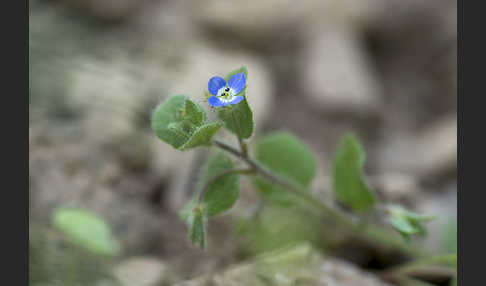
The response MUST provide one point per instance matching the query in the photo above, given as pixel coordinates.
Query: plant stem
(220, 175)
(291, 187)
(379, 238)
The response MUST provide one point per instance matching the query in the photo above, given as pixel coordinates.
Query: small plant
(86, 230)
(281, 166)
(87, 249)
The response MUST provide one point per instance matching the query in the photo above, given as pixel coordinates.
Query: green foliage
(86, 230)
(287, 156)
(407, 222)
(221, 193)
(283, 167)
(180, 122)
(221, 188)
(197, 228)
(202, 136)
(277, 227)
(238, 118)
(194, 113)
(53, 263)
(348, 180)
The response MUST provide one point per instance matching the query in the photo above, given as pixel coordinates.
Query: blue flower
(223, 93)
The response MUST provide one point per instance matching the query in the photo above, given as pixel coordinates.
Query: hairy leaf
(238, 118)
(288, 157)
(221, 193)
(180, 122)
(202, 136)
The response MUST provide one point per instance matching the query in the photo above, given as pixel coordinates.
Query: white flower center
(226, 94)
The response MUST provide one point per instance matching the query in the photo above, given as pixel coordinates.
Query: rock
(78, 173)
(108, 9)
(431, 152)
(336, 73)
(300, 265)
(437, 146)
(414, 46)
(183, 177)
(110, 94)
(141, 271)
(337, 272)
(395, 186)
(271, 19)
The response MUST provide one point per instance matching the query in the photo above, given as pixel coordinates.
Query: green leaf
(287, 156)
(180, 122)
(407, 222)
(165, 119)
(197, 228)
(238, 118)
(202, 136)
(86, 230)
(195, 114)
(222, 193)
(349, 182)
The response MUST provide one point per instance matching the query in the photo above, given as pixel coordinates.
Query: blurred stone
(110, 93)
(109, 9)
(183, 178)
(271, 19)
(431, 152)
(437, 145)
(414, 45)
(141, 271)
(337, 272)
(336, 74)
(80, 174)
(300, 265)
(395, 186)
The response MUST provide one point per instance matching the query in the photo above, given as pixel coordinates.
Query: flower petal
(237, 82)
(215, 83)
(236, 99)
(216, 102)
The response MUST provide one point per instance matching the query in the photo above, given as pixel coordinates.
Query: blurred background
(383, 69)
